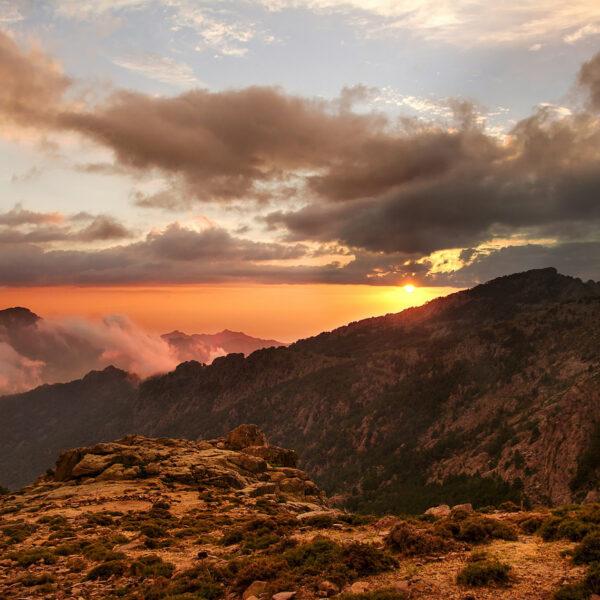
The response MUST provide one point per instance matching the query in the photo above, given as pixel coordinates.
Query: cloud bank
(382, 196)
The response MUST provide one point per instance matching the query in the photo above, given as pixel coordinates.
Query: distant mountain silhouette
(204, 347)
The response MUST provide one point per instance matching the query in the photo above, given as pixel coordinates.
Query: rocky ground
(164, 519)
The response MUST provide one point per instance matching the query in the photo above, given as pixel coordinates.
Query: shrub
(32, 556)
(411, 541)
(549, 528)
(509, 506)
(320, 521)
(76, 565)
(18, 531)
(33, 580)
(102, 519)
(483, 571)
(357, 520)
(366, 559)
(153, 531)
(482, 529)
(151, 566)
(574, 529)
(106, 570)
(101, 551)
(531, 524)
(380, 594)
(588, 550)
(573, 591)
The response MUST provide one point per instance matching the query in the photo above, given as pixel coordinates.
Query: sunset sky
(286, 166)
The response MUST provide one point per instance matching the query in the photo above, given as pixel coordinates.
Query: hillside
(487, 395)
(228, 518)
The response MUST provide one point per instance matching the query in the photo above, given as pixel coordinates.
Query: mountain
(486, 395)
(204, 347)
(232, 517)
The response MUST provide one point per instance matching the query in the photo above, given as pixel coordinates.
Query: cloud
(19, 225)
(589, 80)
(160, 68)
(53, 350)
(33, 84)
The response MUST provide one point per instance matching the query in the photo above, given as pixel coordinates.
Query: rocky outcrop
(242, 461)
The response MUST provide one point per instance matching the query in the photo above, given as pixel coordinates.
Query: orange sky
(283, 312)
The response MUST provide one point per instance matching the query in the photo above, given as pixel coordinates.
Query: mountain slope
(486, 395)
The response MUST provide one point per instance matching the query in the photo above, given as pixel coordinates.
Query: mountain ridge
(479, 396)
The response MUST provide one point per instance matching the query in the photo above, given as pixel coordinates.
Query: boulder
(280, 457)
(253, 464)
(439, 512)
(262, 489)
(92, 464)
(65, 463)
(255, 589)
(244, 436)
(283, 595)
(592, 497)
(359, 587)
(329, 588)
(463, 508)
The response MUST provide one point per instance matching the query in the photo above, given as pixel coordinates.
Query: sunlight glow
(409, 288)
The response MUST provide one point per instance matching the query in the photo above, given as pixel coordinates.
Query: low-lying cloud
(54, 350)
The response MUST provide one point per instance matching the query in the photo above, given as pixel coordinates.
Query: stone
(334, 514)
(359, 587)
(65, 463)
(402, 587)
(262, 490)
(283, 595)
(255, 589)
(439, 512)
(328, 587)
(253, 464)
(280, 457)
(467, 508)
(112, 473)
(294, 485)
(592, 497)
(244, 436)
(92, 464)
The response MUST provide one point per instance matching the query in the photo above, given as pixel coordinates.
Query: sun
(409, 288)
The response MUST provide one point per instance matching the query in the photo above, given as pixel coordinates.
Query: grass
(107, 569)
(380, 594)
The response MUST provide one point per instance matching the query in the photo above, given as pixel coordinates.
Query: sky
(283, 167)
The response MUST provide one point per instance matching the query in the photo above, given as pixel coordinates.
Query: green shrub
(380, 594)
(509, 506)
(357, 520)
(32, 556)
(320, 521)
(484, 571)
(411, 541)
(76, 565)
(18, 531)
(151, 566)
(574, 529)
(482, 529)
(106, 570)
(588, 550)
(33, 580)
(573, 591)
(549, 528)
(531, 524)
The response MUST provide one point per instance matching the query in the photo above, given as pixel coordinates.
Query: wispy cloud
(160, 68)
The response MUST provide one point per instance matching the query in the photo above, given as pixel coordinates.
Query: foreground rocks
(235, 519)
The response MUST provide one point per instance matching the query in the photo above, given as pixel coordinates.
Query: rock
(295, 485)
(253, 464)
(592, 497)
(244, 436)
(466, 508)
(359, 587)
(254, 589)
(112, 473)
(205, 446)
(594, 597)
(402, 587)
(92, 464)
(284, 595)
(202, 554)
(280, 457)
(334, 514)
(439, 512)
(328, 587)
(262, 490)
(65, 463)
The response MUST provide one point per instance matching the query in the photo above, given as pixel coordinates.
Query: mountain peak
(17, 316)
(536, 285)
